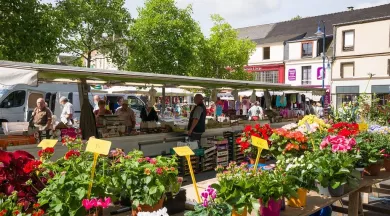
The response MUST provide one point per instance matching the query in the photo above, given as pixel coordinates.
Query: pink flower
(159, 171)
(105, 203)
(88, 204)
(147, 158)
(205, 194)
(153, 161)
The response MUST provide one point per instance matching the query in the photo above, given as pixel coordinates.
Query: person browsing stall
(197, 122)
(96, 100)
(149, 113)
(102, 109)
(42, 117)
(67, 111)
(126, 114)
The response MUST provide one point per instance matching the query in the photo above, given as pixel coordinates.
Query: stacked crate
(222, 150)
(209, 157)
(235, 153)
(183, 165)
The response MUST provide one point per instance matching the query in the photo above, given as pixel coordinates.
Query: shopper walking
(42, 118)
(67, 111)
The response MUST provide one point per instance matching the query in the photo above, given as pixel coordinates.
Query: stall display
(110, 126)
(209, 158)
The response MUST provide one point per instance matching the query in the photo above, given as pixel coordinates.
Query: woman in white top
(67, 111)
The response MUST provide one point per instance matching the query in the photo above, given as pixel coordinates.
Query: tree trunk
(89, 59)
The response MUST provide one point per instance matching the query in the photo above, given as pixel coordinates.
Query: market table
(315, 201)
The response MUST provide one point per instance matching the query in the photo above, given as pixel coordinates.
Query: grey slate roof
(308, 26)
(255, 32)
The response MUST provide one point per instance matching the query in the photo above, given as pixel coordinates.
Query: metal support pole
(163, 101)
(323, 64)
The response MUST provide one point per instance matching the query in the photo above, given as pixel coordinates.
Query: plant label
(98, 146)
(183, 151)
(259, 143)
(47, 143)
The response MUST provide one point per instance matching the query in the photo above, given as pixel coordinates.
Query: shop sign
(319, 73)
(292, 74)
(252, 68)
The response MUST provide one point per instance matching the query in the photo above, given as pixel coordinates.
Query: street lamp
(320, 33)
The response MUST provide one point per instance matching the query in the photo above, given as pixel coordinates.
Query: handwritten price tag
(47, 143)
(183, 151)
(259, 143)
(98, 146)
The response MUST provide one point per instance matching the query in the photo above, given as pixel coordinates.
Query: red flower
(31, 166)
(247, 129)
(46, 152)
(36, 205)
(3, 212)
(16, 212)
(40, 212)
(244, 146)
(71, 153)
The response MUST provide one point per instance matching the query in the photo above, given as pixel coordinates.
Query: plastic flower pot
(273, 208)
(373, 169)
(322, 190)
(339, 191)
(386, 164)
(299, 201)
(361, 171)
(243, 213)
(148, 208)
(253, 160)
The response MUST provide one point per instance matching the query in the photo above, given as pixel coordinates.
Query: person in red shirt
(102, 110)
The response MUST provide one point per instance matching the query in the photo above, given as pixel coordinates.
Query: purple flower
(205, 195)
(205, 203)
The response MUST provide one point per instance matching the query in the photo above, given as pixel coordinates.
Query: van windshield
(3, 92)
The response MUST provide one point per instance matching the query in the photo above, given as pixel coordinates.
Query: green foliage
(90, 25)
(370, 147)
(236, 186)
(28, 33)
(334, 169)
(223, 54)
(164, 39)
(297, 17)
(221, 209)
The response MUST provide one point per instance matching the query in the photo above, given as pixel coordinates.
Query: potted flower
(209, 206)
(270, 188)
(236, 187)
(245, 141)
(146, 180)
(288, 143)
(302, 171)
(9, 206)
(384, 130)
(94, 206)
(371, 147)
(314, 121)
(344, 129)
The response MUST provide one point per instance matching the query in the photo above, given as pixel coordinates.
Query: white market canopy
(50, 73)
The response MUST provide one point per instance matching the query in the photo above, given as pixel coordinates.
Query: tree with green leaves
(91, 25)
(27, 32)
(224, 55)
(297, 17)
(164, 39)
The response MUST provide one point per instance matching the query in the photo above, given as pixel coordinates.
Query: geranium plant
(288, 143)
(338, 143)
(209, 206)
(371, 147)
(344, 129)
(9, 206)
(244, 141)
(236, 186)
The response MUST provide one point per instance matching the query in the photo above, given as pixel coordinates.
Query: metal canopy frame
(50, 73)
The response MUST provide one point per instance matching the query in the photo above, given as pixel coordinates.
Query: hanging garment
(219, 110)
(293, 98)
(237, 106)
(244, 109)
(277, 101)
(226, 105)
(299, 98)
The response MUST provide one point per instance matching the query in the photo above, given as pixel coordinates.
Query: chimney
(350, 8)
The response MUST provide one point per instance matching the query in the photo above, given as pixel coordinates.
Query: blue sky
(242, 13)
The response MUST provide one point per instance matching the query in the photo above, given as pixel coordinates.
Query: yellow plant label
(259, 143)
(183, 151)
(363, 126)
(47, 143)
(98, 146)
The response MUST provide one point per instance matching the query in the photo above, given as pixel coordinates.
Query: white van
(18, 102)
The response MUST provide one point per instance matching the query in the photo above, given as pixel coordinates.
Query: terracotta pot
(243, 213)
(253, 160)
(373, 169)
(300, 201)
(273, 208)
(148, 208)
(386, 164)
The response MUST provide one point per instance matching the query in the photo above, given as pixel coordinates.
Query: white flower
(161, 212)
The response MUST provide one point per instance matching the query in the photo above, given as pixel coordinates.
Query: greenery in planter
(274, 185)
(371, 147)
(236, 186)
(146, 180)
(209, 207)
(66, 190)
(301, 170)
(335, 168)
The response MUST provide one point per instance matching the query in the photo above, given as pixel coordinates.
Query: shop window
(266, 53)
(346, 98)
(349, 40)
(347, 70)
(307, 49)
(383, 98)
(306, 75)
(15, 99)
(267, 76)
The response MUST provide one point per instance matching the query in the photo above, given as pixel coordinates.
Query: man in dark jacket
(149, 114)
(197, 121)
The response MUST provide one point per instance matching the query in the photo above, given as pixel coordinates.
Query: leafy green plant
(236, 186)
(371, 147)
(334, 168)
(274, 185)
(301, 170)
